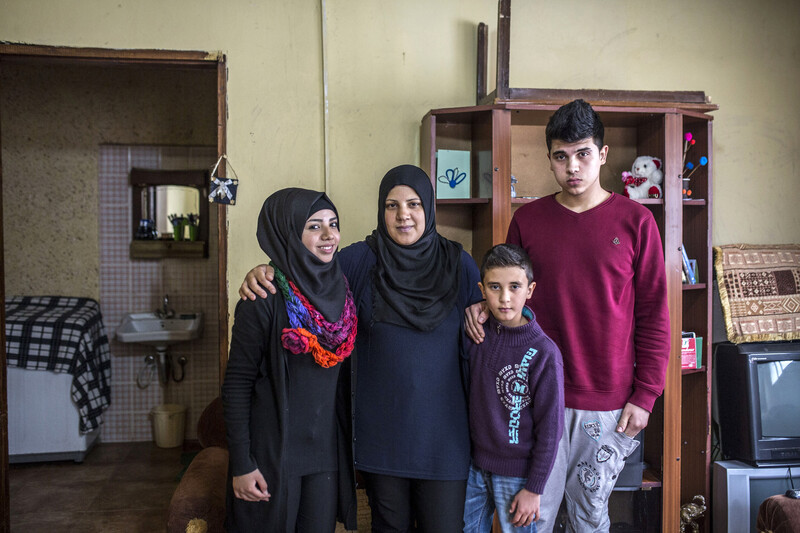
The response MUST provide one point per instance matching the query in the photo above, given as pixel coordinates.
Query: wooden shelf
(651, 479)
(685, 371)
(693, 286)
(461, 201)
(157, 249)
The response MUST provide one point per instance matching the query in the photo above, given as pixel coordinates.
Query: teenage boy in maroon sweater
(599, 262)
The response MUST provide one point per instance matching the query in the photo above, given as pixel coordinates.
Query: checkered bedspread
(63, 334)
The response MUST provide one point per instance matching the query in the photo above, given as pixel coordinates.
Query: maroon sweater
(601, 295)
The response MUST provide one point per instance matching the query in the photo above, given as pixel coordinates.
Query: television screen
(757, 388)
(778, 383)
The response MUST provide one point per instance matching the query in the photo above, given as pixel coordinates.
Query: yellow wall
(388, 62)
(53, 119)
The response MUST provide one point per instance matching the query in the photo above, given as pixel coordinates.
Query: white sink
(148, 328)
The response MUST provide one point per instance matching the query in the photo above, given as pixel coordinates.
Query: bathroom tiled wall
(130, 285)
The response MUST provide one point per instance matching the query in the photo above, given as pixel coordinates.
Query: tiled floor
(118, 488)
(127, 487)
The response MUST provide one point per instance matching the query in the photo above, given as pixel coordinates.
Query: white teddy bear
(644, 179)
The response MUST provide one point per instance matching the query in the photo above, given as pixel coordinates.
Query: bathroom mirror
(157, 194)
(174, 200)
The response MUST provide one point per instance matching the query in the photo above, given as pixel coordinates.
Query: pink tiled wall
(131, 285)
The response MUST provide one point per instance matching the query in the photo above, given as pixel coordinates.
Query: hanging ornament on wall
(223, 190)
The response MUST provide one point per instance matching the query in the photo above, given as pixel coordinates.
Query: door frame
(102, 56)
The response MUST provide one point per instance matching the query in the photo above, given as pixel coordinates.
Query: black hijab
(415, 285)
(280, 231)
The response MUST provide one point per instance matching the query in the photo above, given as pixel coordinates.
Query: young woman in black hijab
(411, 286)
(279, 393)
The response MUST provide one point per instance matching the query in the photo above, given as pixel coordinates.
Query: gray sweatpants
(590, 456)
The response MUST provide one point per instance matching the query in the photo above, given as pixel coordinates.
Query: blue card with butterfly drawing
(452, 174)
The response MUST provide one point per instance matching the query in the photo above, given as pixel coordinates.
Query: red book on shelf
(689, 350)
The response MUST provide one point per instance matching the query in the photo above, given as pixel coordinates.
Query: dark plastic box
(631, 476)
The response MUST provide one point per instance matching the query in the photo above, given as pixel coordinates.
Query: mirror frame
(140, 179)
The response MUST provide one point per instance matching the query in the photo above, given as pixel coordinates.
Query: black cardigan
(255, 399)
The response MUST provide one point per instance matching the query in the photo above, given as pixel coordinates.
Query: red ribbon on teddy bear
(628, 179)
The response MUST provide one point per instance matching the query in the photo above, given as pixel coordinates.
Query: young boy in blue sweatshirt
(516, 400)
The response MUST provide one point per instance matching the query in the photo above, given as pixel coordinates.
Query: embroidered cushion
(759, 287)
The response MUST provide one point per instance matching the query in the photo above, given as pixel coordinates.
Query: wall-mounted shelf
(156, 249)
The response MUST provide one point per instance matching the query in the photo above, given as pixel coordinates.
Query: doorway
(109, 64)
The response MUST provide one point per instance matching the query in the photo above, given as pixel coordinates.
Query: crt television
(738, 490)
(757, 388)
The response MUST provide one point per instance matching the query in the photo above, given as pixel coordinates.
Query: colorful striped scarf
(310, 329)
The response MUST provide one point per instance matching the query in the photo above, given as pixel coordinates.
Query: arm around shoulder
(257, 282)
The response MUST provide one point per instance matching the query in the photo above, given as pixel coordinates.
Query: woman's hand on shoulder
(251, 487)
(475, 315)
(255, 281)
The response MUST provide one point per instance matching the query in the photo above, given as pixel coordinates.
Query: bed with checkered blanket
(63, 334)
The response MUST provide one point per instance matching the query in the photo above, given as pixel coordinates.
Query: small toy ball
(687, 136)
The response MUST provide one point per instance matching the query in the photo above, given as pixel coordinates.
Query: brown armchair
(779, 514)
(198, 504)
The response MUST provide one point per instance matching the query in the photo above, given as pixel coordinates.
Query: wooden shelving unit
(504, 133)
(507, 138)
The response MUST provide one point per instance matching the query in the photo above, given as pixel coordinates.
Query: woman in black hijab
(416, 275)
(279, 393)
(411, 286)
